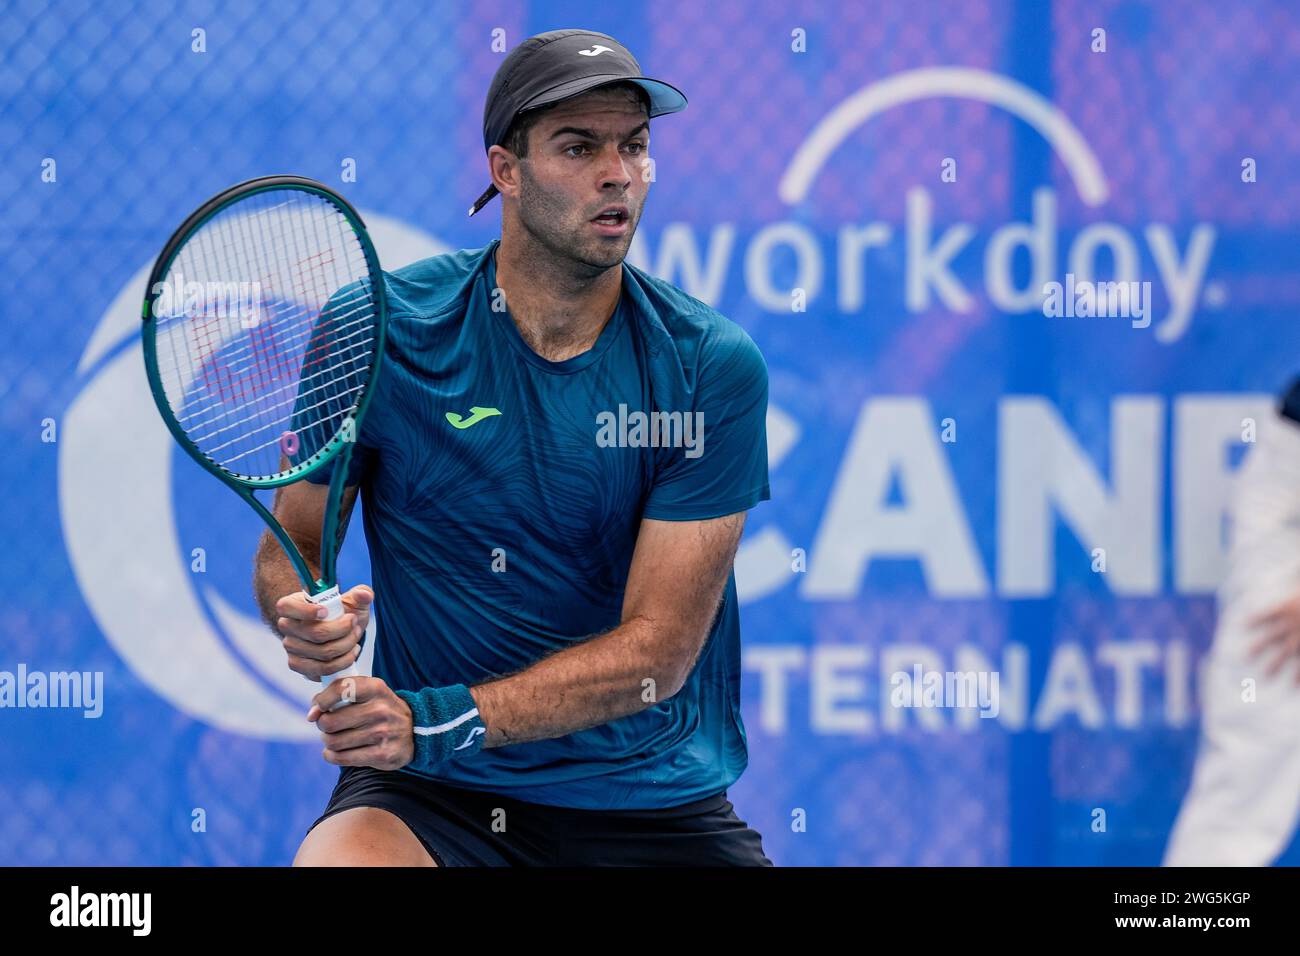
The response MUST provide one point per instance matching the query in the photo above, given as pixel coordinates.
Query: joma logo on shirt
(476, 414)
(652, 430)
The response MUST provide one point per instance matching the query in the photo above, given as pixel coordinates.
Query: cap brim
(664, 98)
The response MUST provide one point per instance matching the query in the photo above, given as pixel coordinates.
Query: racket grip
(332, 600)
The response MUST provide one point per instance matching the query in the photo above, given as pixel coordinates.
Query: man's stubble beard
(547, 218)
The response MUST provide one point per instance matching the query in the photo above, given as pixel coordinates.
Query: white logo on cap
(596, 50)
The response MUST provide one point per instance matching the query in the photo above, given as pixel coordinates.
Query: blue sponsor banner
(1023, 274)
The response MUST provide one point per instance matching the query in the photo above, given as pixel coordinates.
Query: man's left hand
(376, 730)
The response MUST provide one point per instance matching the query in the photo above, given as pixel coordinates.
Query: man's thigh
(362, 836)
(449, 827)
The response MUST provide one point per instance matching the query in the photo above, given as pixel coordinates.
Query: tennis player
(555, 470)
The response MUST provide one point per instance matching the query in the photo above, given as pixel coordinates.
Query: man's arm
(674, 588)
(313, 647)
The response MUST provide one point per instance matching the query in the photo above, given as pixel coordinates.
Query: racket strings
(259, 407)
(241, 357)
(271, 379)
(191, 419)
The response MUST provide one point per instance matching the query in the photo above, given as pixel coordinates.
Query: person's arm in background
(1278, 643)
(1242, 803)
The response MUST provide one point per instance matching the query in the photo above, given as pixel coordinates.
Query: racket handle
(332, 601)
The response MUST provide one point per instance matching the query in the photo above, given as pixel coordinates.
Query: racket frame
(338, 449)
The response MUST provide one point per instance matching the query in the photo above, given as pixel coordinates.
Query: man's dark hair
(516, 138)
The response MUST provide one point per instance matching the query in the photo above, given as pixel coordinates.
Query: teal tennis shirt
(502, 494)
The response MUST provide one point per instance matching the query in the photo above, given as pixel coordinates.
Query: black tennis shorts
(470, 828)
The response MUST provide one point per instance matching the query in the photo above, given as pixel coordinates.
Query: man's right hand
(315, 646)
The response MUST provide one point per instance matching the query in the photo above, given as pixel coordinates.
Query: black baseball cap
(558, 65)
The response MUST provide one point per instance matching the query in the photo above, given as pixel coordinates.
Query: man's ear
(503, 166)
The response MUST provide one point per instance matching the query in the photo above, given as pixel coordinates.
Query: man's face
(587, 157)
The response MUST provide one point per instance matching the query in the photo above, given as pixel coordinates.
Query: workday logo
(927, 247)
(927, 257)
(208, 658)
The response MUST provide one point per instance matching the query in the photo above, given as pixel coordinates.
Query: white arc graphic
(959, 83)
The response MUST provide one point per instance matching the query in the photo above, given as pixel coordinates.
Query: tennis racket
(264, 324)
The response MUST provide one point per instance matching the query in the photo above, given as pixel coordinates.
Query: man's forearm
(615, 674)
(300, 509)
(274, 577)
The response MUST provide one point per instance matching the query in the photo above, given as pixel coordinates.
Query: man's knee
(362, 836)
